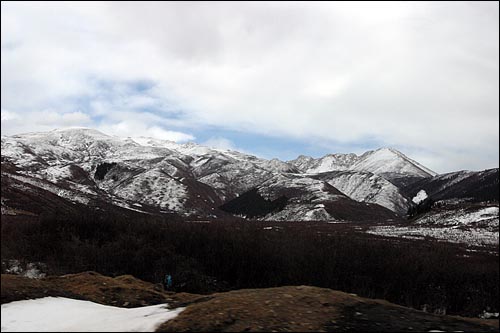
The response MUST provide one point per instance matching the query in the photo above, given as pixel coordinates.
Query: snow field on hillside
(57, 314)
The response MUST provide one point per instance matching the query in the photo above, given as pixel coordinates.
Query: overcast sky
(272, 79)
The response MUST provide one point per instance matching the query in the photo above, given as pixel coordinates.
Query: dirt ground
(310, 309)
(124, 291)
(283, 309)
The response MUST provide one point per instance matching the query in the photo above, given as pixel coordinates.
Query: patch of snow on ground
(486, 217)
(471, 237)
(56, 314)
(30, 270)
(33, 273)
(299, 212)
(481, 215)
(316, 214)
(489, 315)
(421, 196)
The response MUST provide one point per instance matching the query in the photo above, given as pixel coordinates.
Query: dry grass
(123, 291)
(289, 308)
(310, 309)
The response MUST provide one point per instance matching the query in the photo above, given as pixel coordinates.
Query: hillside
(387, 162)
(471, 186)
(145, 174)
(149, 175)
(289, 308)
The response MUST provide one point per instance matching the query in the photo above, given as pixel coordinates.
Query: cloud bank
(420, 77)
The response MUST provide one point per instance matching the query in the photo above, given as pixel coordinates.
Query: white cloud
(136, 125)
(8, 115)
(162, 134)
(135, 129)
(221, 143)
(418, 75)
(22, 122)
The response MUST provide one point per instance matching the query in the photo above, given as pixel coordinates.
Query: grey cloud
(417, 75)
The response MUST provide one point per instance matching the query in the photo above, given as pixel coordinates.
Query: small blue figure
(168, 281)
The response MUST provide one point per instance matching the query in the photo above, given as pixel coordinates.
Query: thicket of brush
(231, 255)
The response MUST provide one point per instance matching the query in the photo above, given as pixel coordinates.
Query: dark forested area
(222, 255)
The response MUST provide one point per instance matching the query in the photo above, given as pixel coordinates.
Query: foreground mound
(124, 291)
(304, 308)
(290, 308)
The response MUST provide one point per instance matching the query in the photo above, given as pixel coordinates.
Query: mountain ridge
(194, 180)
(199, 148)
(371, 161)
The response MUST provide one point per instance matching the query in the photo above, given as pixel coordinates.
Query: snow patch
(421, 196)
(486, 217)
(471, 237)
(489, 315)
(56, 314)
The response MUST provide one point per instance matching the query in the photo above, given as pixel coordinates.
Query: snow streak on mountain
(156, 176)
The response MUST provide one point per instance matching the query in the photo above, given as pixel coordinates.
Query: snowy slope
(307, 197)
(390, 161)
(486, 217)
(472, 224)
(384, 162)
(367, 187)
(472, 237)
(183, 178)
(149, 174)
(330, 162)
(82, 165)
(56, 314)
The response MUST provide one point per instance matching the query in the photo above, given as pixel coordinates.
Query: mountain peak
(62, 130)
(303, 158)
(388, 149)
(389, 160)
(80, 130)
(385, 160)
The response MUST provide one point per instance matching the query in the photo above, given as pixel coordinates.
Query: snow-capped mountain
(150, 175)
(330, 162)
(367, 187)
(385, 162)
(374, 176)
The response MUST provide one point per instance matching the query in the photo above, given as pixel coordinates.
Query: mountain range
(145, 175)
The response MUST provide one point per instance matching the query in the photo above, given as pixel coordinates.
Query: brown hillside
(310, 309)
(123, 291)
(285, 309)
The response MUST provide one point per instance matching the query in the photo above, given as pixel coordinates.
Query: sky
(273, 79)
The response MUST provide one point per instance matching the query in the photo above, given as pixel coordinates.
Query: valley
(378, 225)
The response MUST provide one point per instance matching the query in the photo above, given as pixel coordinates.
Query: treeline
(207, 257)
